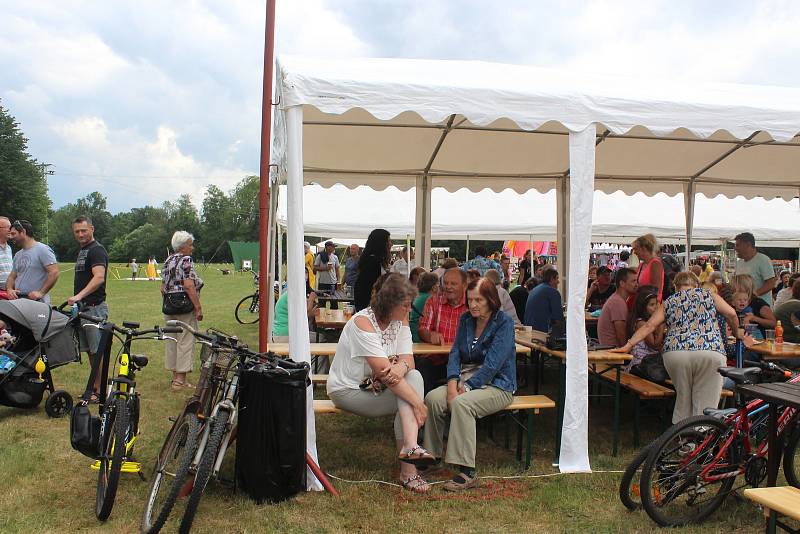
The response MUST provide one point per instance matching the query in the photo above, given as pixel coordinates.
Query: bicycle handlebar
(769, 366)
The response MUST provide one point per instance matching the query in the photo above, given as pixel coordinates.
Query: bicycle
(217, 424)
(174, 460)
(119, 408)
(693, 466)
(246, 311)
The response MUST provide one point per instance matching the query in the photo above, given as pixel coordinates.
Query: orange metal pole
(264, 283)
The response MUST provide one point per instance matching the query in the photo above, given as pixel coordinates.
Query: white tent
(461, 124)
(350, 214)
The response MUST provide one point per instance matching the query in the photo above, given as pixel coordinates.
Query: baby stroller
(44, 339)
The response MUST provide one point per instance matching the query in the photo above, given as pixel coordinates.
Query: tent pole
(689, 199)
(408, 258)
(264, 181)
(280, 261)
(562, 231)
(466, 256)
(530, 247)
(422, 221)
(271, 239)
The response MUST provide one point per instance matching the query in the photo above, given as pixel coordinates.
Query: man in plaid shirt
(439, 323)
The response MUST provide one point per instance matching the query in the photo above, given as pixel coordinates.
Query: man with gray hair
(6, 257)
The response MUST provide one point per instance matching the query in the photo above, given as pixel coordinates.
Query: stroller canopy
(38, 317)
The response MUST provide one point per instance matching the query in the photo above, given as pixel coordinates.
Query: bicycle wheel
(791, 462)
(629, 491)
(247, 309)
(170, 472)
(112, 455)
(673, 491)
(205, 468)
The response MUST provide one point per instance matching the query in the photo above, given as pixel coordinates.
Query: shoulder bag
(178, 302)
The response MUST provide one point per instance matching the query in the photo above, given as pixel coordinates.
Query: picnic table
(610, 361)
(776, 351)
(329, 349)
(335, 296)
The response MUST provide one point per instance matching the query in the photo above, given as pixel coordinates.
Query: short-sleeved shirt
(90, 256)
(31, 264)
(440, 316)
(543, 307)
(760, 268)
(400, 266)
(417, 309)
(783, 313)
(178, 268)
(6, 264)
(615, 309)
(327, 277)
(280, 325)
(482, 265)
(599, 298)
(691, 318)
(349, 367)
(351, 270)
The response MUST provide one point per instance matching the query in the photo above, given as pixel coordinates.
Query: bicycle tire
(791, 463)
(247, 310)
(205, 468)
(180, 445)
(674, 483)
(111, 459)
(627, 490)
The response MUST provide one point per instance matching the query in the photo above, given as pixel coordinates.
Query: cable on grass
(486, 477)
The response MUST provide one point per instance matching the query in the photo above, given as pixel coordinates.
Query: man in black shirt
(90, 288)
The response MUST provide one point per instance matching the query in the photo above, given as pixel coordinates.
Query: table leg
(616, 410)
(562, 393)
(773, 454)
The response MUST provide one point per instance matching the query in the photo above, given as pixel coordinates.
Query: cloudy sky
(146, 100)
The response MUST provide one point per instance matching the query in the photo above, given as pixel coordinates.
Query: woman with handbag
(180, 289)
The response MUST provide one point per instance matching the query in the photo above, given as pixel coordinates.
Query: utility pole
(44, 169)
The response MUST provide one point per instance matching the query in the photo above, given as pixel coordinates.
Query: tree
(140, 244)
(93, 206)
(23, 186)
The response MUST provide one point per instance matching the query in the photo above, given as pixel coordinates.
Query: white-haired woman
(181, 286)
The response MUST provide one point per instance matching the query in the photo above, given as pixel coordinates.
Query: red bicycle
(693, 466)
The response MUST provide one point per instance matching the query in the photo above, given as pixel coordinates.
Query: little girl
(649, 349)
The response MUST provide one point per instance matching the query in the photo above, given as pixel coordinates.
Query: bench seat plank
(782, 499)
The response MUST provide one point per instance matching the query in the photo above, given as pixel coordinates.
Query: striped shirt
(6, 264)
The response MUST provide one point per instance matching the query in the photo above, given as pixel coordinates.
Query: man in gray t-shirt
(35, 269)
(326, 265)
(757, 265)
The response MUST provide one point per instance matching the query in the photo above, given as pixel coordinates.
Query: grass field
(47, 487)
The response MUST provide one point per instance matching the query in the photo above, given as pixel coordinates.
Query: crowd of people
(675, 325)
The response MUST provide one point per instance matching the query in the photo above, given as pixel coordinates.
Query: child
(646, 362)
(134, 268)
(741, 303)
(6, 340)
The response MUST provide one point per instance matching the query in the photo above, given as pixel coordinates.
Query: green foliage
(93, 206)
(140, 243)
(231, 217)
(23, 186)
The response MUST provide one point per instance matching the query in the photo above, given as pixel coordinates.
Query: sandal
(417, 456)
(177, 386)
(461, 482)
(416, 484)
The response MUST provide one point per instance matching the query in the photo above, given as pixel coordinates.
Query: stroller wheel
(58, 404)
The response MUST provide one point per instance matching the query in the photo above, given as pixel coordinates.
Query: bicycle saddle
(719, 414)
(139, 360)
(746, 375)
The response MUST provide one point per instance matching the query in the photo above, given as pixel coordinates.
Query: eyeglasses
(19, 224)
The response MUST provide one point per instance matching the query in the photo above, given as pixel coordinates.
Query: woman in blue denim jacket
(481, 380)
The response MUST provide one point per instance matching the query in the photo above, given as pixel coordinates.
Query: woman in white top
(373, 372)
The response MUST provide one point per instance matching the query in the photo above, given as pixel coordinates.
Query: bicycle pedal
(172, 419)
(131, 467)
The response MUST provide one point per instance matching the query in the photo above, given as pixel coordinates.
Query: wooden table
(777, 393)
(329, 349)
(613, 361)
(775, 351)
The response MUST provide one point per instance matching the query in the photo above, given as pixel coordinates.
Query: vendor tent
(244, 253)
(457, 124)
(350, 214)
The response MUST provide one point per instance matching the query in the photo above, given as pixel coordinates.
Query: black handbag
(651, 368)
(84, 431)
(177, 303)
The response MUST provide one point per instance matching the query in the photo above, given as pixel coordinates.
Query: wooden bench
(783, 500)
(318, 379)
(530, 405)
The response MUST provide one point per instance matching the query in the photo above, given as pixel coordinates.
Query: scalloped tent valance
(381, 122)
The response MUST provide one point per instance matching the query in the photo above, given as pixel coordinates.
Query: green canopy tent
(245, 255)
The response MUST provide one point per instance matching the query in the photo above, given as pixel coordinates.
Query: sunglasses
(20, 225)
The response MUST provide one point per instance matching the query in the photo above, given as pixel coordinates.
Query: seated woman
(647, 362)
(373, 372)
(693, 345)
(481, 380)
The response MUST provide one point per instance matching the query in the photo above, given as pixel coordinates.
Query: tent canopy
(475, 125)
(618, 218)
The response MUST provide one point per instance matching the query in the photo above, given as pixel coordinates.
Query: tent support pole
(408, 258)
(689, 200)
(280, 261)
(264, 181)
(466, 256)
(562, 231)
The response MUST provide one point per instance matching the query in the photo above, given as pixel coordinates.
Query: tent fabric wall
(244, 250)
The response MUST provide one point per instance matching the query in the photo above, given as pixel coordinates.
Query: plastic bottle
(778, 333)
